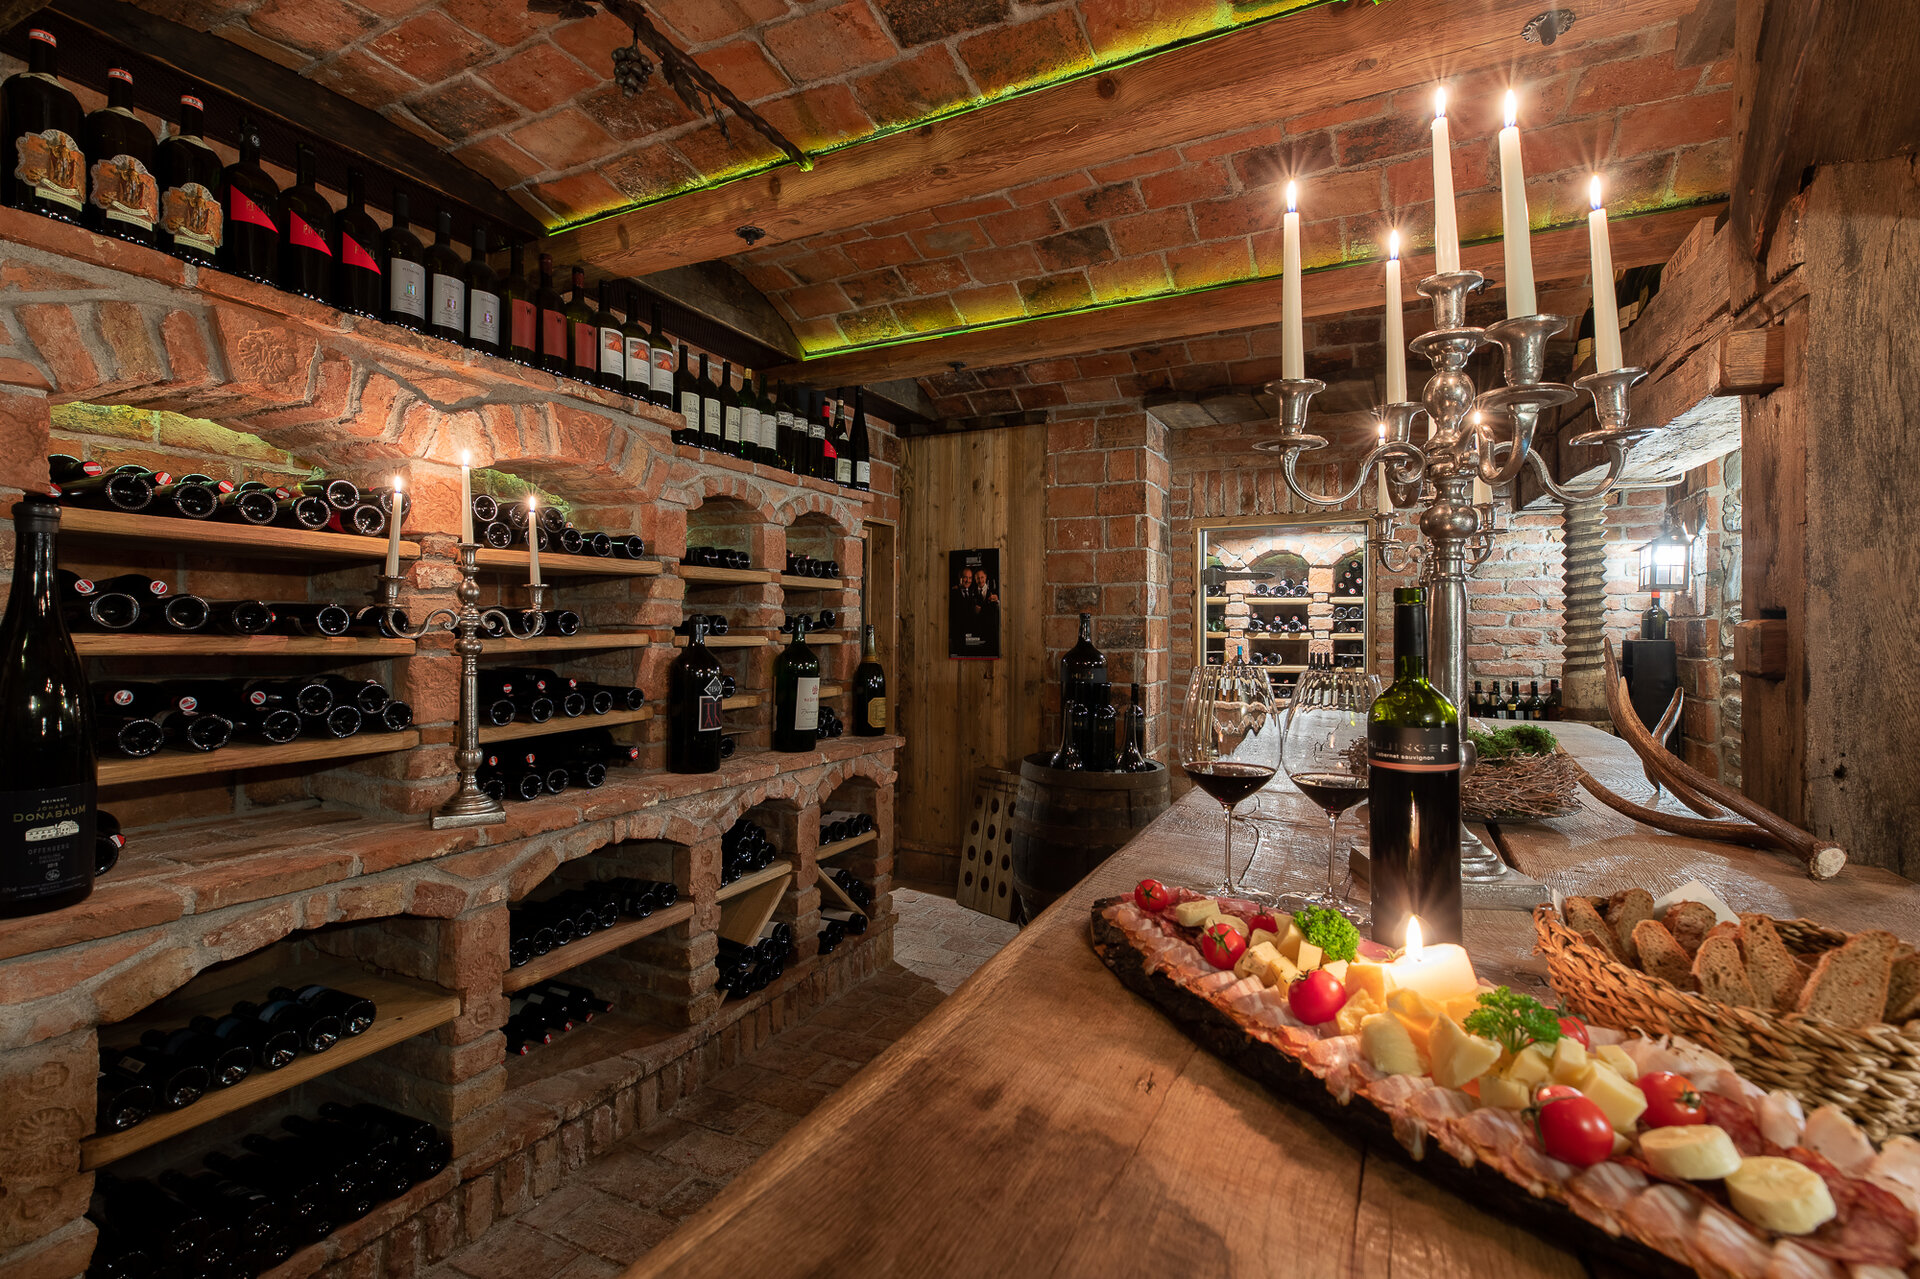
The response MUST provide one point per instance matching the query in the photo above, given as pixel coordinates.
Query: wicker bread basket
(1871, 1072)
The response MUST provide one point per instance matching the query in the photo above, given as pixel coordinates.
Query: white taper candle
(533, 541)
(1293, 363)
(1382, 498)
(1516, 237)
(393, 531)
(466, 497)
(1396, 327)
(1606, 309)
(1446, 233)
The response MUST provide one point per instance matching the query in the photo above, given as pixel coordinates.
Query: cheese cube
(1385, 1041)
(1338, 967)
(1195, 913)
(1616, 1057)
(1234, 922)
(1620, 1101)
(1255, 960)
(1569, 1061)
(1279, 974)
(1461, 1005)
(1417, 1013)
(1356, 1010)
(1290, 942)
(1307, 958)
(1459, 1058)
(1262, 935)
(1508, 1094)
(1371, 978)
(1532, 1065)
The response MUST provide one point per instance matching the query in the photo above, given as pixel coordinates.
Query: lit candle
(1516, 230)
(1606, 310)
(1396, 327)
(393, 531)
(1293, 362)
(533, 541)
(1383, 499)
(1440, 972)
(466, 497)
(1446, 235)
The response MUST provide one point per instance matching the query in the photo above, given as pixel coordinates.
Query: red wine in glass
(1334, 792)
(1230, 782)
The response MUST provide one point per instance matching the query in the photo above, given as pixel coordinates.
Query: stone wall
(1703, 620)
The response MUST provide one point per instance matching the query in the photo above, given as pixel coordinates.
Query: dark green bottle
(796, 694)
(869, 691)
(694, 693)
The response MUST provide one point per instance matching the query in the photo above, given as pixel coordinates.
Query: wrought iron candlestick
(1487, 436)
(469, 805)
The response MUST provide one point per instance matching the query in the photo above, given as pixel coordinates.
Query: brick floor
(611, 1211)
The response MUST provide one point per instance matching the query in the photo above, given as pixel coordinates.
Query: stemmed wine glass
(1228, 740)
(1324, 750)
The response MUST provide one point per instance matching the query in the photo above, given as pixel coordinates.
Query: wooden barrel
(1066, 823)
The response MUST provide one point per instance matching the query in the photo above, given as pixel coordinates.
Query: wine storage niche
(1272, 591)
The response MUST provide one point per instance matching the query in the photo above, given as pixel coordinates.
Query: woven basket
(1521, 788)
(1872, 1073)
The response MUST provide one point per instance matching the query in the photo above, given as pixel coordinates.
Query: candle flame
(1513, 107)
(396, 484)
(466, 458)
(532, 501)
(1293, 197)
(1440, 103)
(1383, 431)
(1416, 945)
(1393, 245)
(1593, 193)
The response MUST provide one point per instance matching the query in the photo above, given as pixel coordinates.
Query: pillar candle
(1446, 234)
(1516, 235)
(1606, 309)
(393, 531)
(1383, 498)
(533, 541)
(1441, 971)
(466, 497)
(1292, 350)
(1396, 327)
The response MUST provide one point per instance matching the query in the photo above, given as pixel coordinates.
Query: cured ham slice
(1720, 1239)
(1212, 982)
(1836, 1138)
(1663, 1217)
(1782, 1121)
(1896, 1169)
(1791, 1261)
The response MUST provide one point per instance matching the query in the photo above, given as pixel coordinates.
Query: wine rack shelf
(562, 724)
(793, 582)
(745, 914)
(832, 690)
(554, 564)
(229, 759)
(1286, 670)
(344, 648)
(567, 643)
(1297, 601)
(722, 576)
(251, 539)
(573, 954)
(828, 637)
(1218, 634)
(844, 845)
(1219, 599)
(740, 701)
(747, 882)
(841, 900)
(728, 641)
(1346, 599)
(405, 1009)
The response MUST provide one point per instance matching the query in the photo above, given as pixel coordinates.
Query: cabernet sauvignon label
(1413, 748)
(806, 704)
(48, 846)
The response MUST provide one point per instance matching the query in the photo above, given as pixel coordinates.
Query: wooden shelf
(728, 641)
(722, 576)
(567, 643)
(228, 759)
(563, 724)
(832, 690)
(1346, 599)
(794, 582)
(743, 916)
(840, 846)
(248, 539)
(1285, 669)
(1278, 639)
(345, 648)
(574, 953)
(773, 871)
(1298, 601)
(828, 637)
(1219, 599)
(844, 901)
(740, 701)
(405, 1009)
(1218, 634)
(555, 564)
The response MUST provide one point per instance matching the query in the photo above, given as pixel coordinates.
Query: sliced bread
(1770, 965)
(1660, 955)
(1721, 973)
(1689, 922)
(1625, 910)
(1850, 983)
(1903, 989)
(1583, 916)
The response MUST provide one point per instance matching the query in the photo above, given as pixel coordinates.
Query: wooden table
(1044, 1121)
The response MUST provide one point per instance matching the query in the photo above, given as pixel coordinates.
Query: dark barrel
(1066, 823)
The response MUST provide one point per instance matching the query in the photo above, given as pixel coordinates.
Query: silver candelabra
(469, 805)
(1485, 435)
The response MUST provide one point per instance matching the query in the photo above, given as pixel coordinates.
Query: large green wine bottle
(1413, 790)
(869, 691)
(796, 694)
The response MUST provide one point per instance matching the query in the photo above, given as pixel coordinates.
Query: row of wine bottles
(838, 925)
(1283, 587)
(169, 1070)
(799, 565)
(550, 765)
(137, 718)
(710, 623)
(855, 887)
(744, 849)
(831, 725)
(716, 557)
(501, 525)
(837, 826)
(248, 1212)
(322, 505)
(134, 601)
(1513, 704)
(535, 695)
(825, 620)
(811, 433)
(551, 1008)
(536, 928)
(1094, 736)
(748, 969)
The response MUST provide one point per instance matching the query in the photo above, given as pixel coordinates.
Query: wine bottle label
(449, 302)
(806, 704)
(863, 473)
(354, 253)
(192, 216)
(1414, 748)
(407, 288)
(125, 191)
(553, 333)
(663, 370)
(818, 431)
(52, 167)
(709, 706)
(711, 417)
(483, 317)
(877, 713)
(690, 409)
(583, 344)
(731, 424)
(639, 370)
(843, 470)
(613, 352)
(47, 845)
(243, 209)
(523, 324)
(300, 232)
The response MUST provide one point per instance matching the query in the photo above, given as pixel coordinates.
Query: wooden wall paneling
(962, 491)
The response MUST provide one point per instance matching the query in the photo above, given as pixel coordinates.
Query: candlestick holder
(469, 805)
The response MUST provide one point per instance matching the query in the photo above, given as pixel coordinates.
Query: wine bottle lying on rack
(108, 842)
(225, 1064)
(127, 489)
(189, 497)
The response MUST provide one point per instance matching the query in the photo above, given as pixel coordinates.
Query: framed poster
(973, 604)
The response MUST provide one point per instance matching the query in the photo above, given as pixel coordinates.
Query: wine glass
(1228, 740)
(1324, 750)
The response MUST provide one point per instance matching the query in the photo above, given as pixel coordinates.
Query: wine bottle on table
(636, 370)
(251, 203)
(1550, 709)
(446, 284)
(47, 857)
(796, 694)
(1413, 790)
(45, 171)
(520, 316)
(306, 253)
(694, 694)
(1653, 622)
(713, 413)
(485, 319)
(191, 225)
(1133, 759)
(583, 333)
(358, 284)
(125, 200)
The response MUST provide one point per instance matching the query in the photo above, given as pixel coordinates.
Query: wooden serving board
(1360, 1119)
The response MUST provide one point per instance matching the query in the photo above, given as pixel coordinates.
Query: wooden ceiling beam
(1557, 255)
(1319, 57)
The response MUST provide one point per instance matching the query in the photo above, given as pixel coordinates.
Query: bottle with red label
(485, 321)
(359, 285)
(41, 165)
(550, 335)
(405, 263)
(252, 205)
(125, 198)
(520, 321)
(446, 284)
(636, 377)
(192, 223)
(306, 255)
(583, 332)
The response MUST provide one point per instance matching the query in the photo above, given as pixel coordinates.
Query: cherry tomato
(1575, 1130)
(1152, 896)
(1554, 1092)
(1672, 1100)
(1316, 997)
(1268, 922)
(1221, 944)
(1574, 1028)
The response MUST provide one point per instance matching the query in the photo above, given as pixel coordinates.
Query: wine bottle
(405, 263)
(484, 303)
(1133, 759)
(358, 284)
(306, 253)
(713, 414)
(796, 694)
(446, 284)
(192, 497)
(1653, 622)
(45, 171)
(782, 427)
(118, 490)
(251, 203)
(583, 333)
(1510, 709)
(730, 442)
(47, 858)
(125, 199)
(862, 444)
(1413, 790)
(1477, 702)
(686, 397)
(302, 510)
(552, 327)
(693, 706)
(1083, 676)
(519, 318)
(1551, 709)
(610, 342)
(187, 170)
(176, 1081)
(316, 1033)
(130, 737)
(840, 442)
(869, 690)
(225, 1064)
(1530, 708)
(817, 440)
(1103, 730)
